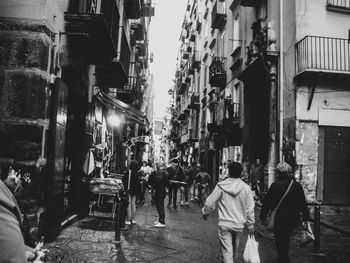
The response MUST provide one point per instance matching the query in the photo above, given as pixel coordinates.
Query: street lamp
(115, 120)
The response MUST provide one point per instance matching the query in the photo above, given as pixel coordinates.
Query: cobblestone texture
(187, 238)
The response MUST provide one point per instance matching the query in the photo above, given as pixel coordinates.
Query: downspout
(281, 77)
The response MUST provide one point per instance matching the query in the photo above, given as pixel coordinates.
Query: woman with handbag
(283, 208)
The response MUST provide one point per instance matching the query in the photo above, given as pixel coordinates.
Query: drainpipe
(281, 77)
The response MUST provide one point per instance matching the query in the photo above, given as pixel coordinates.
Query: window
(221, 45)
(236, 33)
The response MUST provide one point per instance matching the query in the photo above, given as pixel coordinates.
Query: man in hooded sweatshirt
(235, 209)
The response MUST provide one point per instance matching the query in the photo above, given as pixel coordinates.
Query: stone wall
(307, 157)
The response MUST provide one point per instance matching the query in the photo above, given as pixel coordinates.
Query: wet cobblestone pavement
(187, 238)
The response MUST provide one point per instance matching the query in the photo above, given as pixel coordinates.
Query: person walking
(290, 211)
(195, 169)
(177, 178)
(131, 183)
(235, 211)
(159, 180)
(203, 181)
(257, 179)
(145, 172)
(184, 188)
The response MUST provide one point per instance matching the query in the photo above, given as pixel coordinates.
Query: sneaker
(128, 222)
(133, 222)
(182, 203)
(187, 204)
(156, 222)
(159, 225)
(192, 199)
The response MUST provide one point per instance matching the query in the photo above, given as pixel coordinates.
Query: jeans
(141, 192)
(173, 188)
(184, 193)
(282, 235)
(131, 214)
(159, 196)
(229, 241)
(202, 192)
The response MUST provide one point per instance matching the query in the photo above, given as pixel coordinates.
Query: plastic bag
(306, 235)
(251, 253)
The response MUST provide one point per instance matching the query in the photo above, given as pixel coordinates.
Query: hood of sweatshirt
(232, 186)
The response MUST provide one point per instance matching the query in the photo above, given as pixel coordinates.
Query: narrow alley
(186, 238)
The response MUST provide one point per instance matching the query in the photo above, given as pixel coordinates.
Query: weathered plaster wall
(329, 94)
(314, 19)
(306, 157)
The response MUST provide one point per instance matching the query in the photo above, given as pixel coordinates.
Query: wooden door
(56, 153)
(337, 165)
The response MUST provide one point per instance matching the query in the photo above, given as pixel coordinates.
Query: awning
(130, 112)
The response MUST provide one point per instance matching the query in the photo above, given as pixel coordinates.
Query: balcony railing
(315, 53)
(339, 4)
(217, 72)
(124, 52)
(218, 15)
(100, 19)
(138, 27)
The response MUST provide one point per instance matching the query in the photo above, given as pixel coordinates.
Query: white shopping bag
(251, 253)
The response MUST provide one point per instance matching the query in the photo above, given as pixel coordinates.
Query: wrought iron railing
(107, 8)
(217, 72)
(218, 15)
(339, 3)
(322, 53)
(236, 111)
(84, 6)
(124, 52)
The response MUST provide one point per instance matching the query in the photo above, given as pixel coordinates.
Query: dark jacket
(177, 173)
(203, 178)
(135, 177)
(159, 180)
(293, 208)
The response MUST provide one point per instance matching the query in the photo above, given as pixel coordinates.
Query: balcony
(133, 8)
(185, 55)
(196, 59)
(193, 36)
(194, 102)
(218, 15)
(148, 10)
(217, 72)
(137, 26)
(92, 26)
(131, 91)
(339, 5)
(182, 88)
(322, 55)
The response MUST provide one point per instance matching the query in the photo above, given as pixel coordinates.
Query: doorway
(336, 165)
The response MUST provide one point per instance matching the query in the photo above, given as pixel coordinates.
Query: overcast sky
(164, 43)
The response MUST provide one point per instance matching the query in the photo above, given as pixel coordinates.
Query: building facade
(66, 67)
(272, 85)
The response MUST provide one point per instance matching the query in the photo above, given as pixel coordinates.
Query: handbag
(270, 222)
(251, 253)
